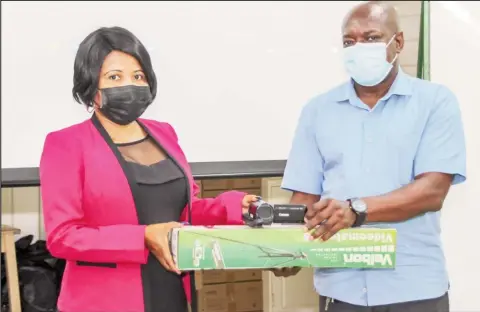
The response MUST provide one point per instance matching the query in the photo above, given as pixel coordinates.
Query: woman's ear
(97, 100)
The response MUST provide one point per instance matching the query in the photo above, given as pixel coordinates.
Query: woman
(115, 185)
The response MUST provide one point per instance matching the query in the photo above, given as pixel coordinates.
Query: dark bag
(39, 275)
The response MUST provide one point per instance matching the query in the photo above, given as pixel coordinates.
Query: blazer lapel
(133, 186)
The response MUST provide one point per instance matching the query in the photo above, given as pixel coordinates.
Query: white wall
(455, 50)
(223, 68)
(409, 15)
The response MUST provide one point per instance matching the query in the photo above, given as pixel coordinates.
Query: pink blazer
(91, 221)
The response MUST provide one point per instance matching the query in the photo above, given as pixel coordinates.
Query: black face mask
(125, 104)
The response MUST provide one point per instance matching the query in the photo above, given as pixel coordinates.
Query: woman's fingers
(248, 199)
(168, 258)
(158, 243)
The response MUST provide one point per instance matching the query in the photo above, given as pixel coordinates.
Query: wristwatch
(360, 208)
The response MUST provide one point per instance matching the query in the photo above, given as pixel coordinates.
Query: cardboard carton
(242, 247)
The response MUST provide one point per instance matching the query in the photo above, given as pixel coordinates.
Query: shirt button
(364, 290)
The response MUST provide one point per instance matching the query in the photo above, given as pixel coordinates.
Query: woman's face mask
(123, 105)
(366, 63)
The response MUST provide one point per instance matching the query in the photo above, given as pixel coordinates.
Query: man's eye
(373, 38)
(348, 43)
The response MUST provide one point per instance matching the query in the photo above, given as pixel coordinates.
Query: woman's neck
(121, 133)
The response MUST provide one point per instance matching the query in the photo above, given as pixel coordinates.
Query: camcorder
(261, 213)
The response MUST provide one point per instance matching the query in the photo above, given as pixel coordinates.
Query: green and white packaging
(242, 247)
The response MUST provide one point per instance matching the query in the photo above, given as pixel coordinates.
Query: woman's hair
(91, 54)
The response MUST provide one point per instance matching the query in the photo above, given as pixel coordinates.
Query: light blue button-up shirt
(343, 149)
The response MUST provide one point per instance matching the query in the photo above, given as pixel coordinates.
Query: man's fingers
(318, 232)
(332, 220)
(332, 232)
(314, 209)
(320, 217)
(278, 272)
(285, 272)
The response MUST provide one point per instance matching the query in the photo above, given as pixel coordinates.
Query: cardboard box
(241, 247)
(226, 276)
(231, 297)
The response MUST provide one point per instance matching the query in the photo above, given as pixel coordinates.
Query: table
(8, 248)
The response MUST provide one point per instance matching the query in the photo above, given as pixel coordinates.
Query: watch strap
(360, 216)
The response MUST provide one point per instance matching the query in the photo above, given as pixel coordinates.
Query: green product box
(242, 247)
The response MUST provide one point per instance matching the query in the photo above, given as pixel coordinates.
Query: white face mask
(367, 63)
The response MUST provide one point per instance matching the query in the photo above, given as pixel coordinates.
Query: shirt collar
(402, 85)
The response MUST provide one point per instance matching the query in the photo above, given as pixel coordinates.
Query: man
(379, 151)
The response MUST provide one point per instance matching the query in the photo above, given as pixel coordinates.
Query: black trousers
(430, 305)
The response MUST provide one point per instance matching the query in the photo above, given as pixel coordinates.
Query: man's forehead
(368, 15)
(363, 25)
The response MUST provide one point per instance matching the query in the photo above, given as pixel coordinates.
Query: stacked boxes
(229, 290)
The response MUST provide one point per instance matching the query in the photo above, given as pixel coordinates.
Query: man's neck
(371, 95)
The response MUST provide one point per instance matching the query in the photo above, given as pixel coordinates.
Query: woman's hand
(247, 201)
(156, 238)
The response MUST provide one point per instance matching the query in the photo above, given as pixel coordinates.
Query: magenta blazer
(90, 217)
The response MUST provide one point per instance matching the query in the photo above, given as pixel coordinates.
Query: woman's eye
(114, 77)
(138, 77)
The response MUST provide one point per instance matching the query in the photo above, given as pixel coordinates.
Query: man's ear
(399, 41)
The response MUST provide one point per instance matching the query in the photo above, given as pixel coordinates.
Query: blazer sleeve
(69, 236)
(225, 209)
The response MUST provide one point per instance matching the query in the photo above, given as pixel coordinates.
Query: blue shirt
(343, 149)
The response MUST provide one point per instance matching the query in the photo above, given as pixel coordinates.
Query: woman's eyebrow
(113, 70)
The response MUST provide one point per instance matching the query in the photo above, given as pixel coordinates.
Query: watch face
(359, 206)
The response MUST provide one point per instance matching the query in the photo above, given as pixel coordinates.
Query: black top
(162, 197)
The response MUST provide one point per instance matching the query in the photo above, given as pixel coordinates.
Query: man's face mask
(123, 105)
(367, 63)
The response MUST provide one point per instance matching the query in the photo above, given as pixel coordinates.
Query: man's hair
(91, 54)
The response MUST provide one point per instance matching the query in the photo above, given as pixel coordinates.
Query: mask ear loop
(92, 108)
(391, 39)
(388, 44)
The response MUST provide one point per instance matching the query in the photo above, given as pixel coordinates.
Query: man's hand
(327, 217)
(285, 272)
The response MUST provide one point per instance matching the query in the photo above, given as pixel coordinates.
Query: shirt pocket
(333, 143)
(402, 142)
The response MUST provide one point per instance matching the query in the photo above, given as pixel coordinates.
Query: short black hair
(92, 52)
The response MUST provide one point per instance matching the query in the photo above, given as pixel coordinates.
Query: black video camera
(261, 213)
